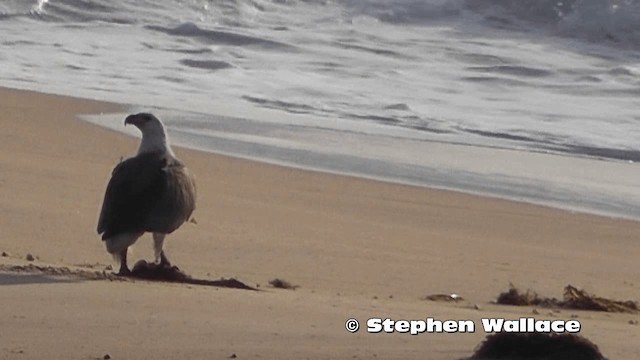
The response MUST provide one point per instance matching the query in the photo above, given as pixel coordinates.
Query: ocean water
(533, 100)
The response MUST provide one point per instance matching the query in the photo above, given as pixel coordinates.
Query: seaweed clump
(573, 298)
(282, 284)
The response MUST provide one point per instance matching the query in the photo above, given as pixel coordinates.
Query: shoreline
(598, 204)
(356, 247)
(574, 184)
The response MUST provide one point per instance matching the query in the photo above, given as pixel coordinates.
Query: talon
(164, 262)
(124, 271)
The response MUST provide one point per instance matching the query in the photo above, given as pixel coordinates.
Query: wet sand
(357, 248)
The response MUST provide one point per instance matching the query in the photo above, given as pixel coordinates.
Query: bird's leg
(124, 270)
(161, 258)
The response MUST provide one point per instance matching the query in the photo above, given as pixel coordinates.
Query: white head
(154, 136)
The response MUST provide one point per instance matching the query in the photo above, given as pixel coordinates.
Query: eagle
(150, 192)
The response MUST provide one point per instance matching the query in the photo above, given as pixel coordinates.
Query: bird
(152, 192)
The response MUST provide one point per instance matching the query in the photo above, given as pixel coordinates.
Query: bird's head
(154, 136)
(143, 121)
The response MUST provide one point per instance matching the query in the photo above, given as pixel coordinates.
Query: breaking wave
(614, 22)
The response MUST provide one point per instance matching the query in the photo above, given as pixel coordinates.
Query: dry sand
(357, 248)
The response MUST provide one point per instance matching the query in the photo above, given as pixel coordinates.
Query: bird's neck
(155, 142)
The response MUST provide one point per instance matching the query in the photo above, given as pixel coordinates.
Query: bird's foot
(164, 262)
(121, 257)
(124, 271)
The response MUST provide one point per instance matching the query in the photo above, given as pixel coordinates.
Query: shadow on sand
(33, 274)
(27, 279)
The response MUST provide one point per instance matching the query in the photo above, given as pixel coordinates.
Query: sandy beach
(356, 248)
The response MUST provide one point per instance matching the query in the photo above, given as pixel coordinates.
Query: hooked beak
(131, 119)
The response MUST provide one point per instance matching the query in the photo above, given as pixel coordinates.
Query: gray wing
(132, 194)
(178, 200)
